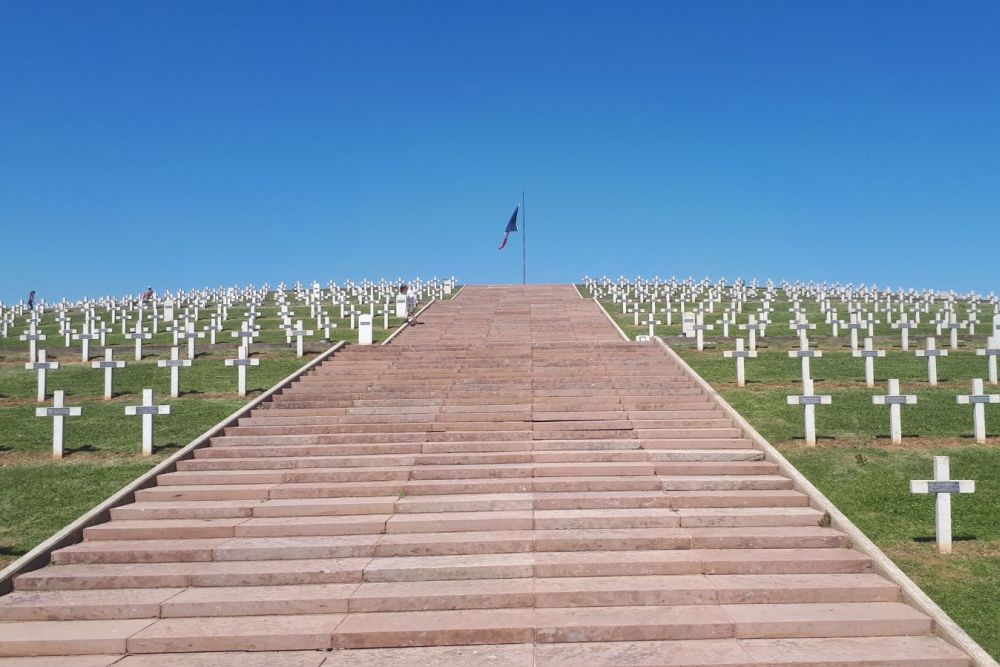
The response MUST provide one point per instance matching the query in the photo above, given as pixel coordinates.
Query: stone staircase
(507, 483)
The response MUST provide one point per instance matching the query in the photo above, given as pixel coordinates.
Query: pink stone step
(76, 605)
(595, 624)
(296, 548)
(204, 492)
(738, 498)
(292, 599)
(606, 518)
(438, 522)
(595, 483)
(106, 576)
(800, 588)
(596, 591)
(466, 502)
(298, 507)
(600, 500)
(675, 455)
(163, 529)
(671, 468)
(611, 539)
(233, 659)
(221, 509)
(236, 633)
(444, 544)
(493, 655)
(443, 594)
(436, 568)
(293, 526)
(857, 619)
(136, 551)
(749, 516)
(724, 482)
(431, 628)
(861, 651)
(67, 637)
(63, 661)
(779, 537)
(696, 443)
(681, 653)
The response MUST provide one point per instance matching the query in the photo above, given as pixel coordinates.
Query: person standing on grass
(31, 300)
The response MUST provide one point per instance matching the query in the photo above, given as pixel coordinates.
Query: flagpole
(524, 243)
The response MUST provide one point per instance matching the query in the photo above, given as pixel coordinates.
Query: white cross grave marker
(752, 327)
(241, 363)
(991, 352)
(809, 401)
(109, 365)
(174, 363)
(740, 355)
(58, 412)
(942, 487)
(190, 335)
(978, 399)
(700, 328)
(804, 355)
(146, 411)
(299, 332)
(904, 326)
(894, 400)
(42, 366)
(932, 353)
(651, 322)
(138, 336)
(84, 337)
(32, 335)
(869, 354)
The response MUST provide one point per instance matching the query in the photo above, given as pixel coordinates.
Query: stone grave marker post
(58, 412)
(942, 487)
(146, 411)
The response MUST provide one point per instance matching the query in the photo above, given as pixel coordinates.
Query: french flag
(511, 227)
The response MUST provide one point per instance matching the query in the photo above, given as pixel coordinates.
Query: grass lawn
(39, 496)
(855, 464)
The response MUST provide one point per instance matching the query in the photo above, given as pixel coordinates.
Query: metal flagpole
(524, 243)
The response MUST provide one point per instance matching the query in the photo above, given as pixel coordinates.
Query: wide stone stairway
(506, 483)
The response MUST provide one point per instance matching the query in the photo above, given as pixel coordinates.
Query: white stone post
(58, 412)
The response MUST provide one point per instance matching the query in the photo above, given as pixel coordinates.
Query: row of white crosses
(864, 304)
(108, 364)
(59, 411)
(186, 307)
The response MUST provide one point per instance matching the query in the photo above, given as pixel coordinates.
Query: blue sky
(185, 144)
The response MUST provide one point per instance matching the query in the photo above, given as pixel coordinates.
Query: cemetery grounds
(38, 496)
(854, 463)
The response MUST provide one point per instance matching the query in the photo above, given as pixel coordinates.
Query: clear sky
(185, 144)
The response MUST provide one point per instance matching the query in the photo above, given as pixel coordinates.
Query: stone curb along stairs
(510, 483)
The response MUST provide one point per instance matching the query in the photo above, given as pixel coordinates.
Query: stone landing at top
(513, 314)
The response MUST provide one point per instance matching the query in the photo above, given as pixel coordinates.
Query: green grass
(103, 447)
(856, 466)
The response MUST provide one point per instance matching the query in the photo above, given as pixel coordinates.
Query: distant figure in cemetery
(31, 300)
(148, 294)
(411, 304)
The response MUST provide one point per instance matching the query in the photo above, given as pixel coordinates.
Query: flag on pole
(511, 227)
